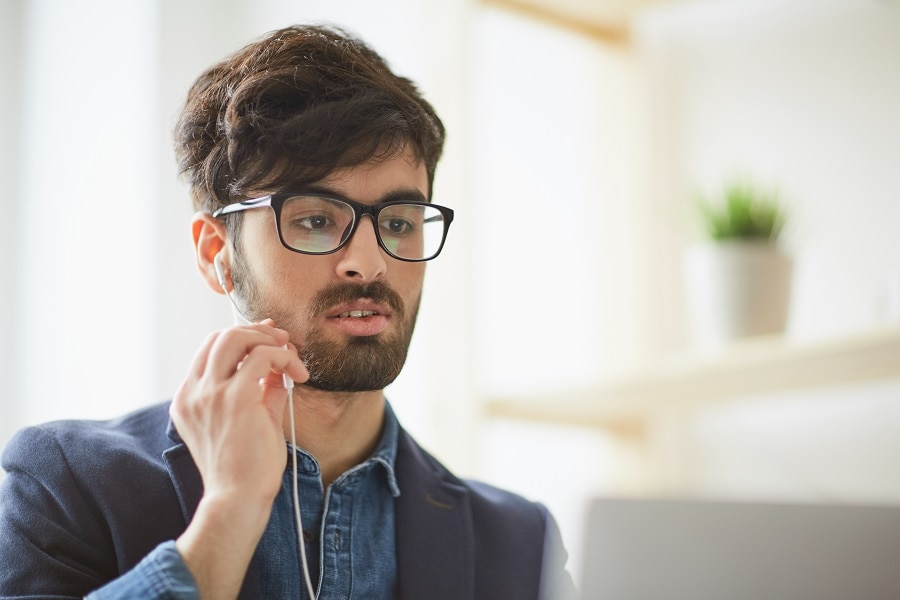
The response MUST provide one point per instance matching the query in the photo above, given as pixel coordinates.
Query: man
(311, 167)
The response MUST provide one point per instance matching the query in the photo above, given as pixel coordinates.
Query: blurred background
(553, 354)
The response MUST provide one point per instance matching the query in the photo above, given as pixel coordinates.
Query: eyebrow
(399, 195)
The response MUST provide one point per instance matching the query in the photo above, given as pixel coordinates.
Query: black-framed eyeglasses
(313, 223)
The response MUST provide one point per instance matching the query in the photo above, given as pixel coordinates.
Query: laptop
(711, 550)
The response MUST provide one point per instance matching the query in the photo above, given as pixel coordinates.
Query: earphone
(220, 272)
(289, 386)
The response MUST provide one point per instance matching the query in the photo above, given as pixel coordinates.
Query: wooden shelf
(751, 368)
(608, 21)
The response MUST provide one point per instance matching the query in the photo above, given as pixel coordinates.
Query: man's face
(351, 313)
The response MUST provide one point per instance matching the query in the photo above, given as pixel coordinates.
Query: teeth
(357, 313)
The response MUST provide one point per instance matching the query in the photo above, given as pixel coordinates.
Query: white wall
(553, 171)
(86, 176)
(11, 18)
(829, 445)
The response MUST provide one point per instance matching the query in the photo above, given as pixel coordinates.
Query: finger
(201, 356)
(294, 369)
(264, 360)
(232, 346)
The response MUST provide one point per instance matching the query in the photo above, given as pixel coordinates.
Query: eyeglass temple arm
(239, 206)
(440, 217)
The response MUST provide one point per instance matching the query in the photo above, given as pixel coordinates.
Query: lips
(361, 318)
(358, 310)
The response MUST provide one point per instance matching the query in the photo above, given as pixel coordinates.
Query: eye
(313, 222)
(397, 226)
(307, 215)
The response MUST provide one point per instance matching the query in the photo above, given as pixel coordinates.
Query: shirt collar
(386, 451)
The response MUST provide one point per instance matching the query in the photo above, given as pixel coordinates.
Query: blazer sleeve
(556, 580)
(162, 575)
(55, 537)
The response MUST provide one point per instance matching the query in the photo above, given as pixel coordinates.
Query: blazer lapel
(189, 488)
(435, 554)
(184, 474)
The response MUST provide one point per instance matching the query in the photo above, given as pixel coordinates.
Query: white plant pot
(736, 290)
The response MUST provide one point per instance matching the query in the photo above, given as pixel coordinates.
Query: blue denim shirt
(348, 529)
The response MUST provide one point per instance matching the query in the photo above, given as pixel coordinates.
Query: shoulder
(514, 541)
(499, 509)
(84, 444)
(98, 464)
(75, 502)
(495, 498)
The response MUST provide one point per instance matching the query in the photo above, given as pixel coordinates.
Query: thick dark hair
(291, 107)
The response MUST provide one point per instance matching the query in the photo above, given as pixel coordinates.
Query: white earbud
(220, 271)
(220, 274)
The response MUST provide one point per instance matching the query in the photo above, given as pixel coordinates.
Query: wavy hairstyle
(291, 107)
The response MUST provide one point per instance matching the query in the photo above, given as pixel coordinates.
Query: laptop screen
(705, 550)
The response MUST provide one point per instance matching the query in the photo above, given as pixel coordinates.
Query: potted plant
(738, 281)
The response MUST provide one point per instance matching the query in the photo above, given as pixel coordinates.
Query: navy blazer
(85, 501)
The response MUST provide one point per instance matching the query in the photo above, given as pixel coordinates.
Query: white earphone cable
(300, 541)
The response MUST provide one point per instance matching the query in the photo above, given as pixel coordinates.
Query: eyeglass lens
(318, 224)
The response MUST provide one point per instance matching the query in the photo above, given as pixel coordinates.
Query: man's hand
(229, 413)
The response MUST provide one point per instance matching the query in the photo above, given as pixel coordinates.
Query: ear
(210, 239)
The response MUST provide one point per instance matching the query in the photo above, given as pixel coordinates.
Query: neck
(340, 430)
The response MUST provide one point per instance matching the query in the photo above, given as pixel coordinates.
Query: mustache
(339, 293)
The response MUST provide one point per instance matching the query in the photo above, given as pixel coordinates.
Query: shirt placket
(337, 527)
(309, 484)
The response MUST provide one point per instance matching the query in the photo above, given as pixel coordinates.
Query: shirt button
(308, 536)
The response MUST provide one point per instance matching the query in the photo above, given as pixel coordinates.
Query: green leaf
(743, 213)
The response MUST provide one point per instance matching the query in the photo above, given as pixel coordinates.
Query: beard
(360, 364)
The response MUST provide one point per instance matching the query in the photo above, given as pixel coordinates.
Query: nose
(362, 259)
